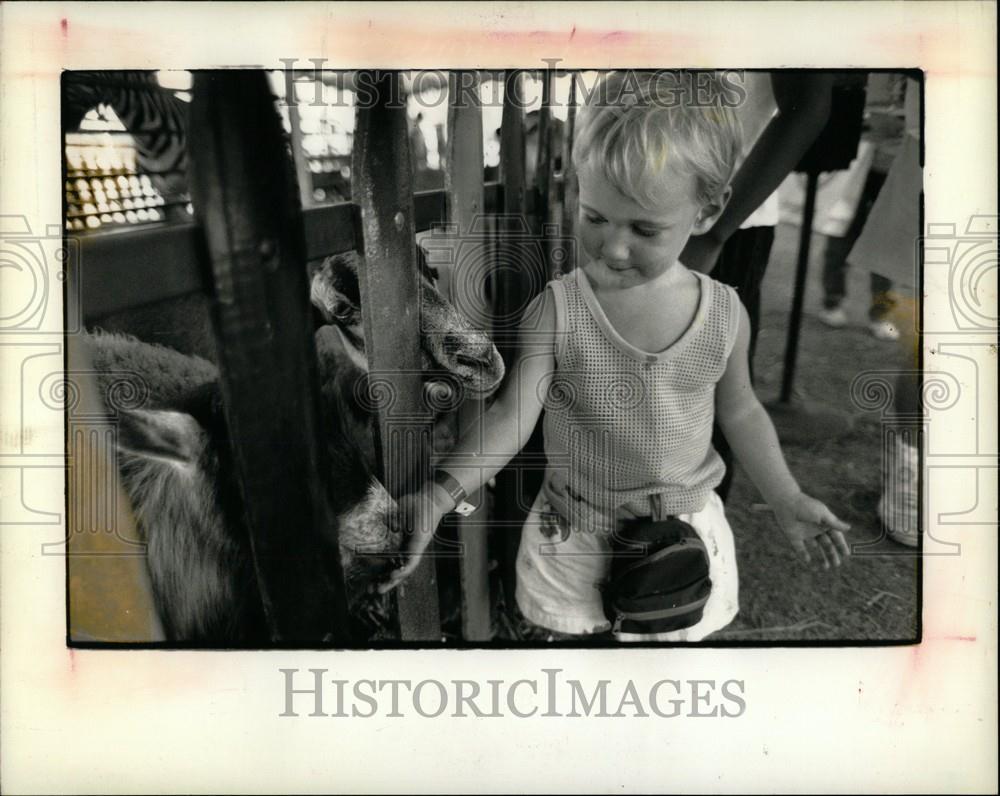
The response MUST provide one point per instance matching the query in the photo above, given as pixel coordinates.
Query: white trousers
(560, 571)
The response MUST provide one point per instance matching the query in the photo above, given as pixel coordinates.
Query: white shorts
(560, 571)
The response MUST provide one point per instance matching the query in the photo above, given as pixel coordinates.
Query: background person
(883, 128)
(887, 246)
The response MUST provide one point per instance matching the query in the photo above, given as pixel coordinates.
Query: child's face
(628, 244)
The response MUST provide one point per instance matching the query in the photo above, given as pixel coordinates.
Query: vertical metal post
(246, 201)
(543, 153)
(570, 189)
(508, 279)
(463, 184)
(544, 175)
(382, 189)
(302, 172)
(798, 298)
(516, 281)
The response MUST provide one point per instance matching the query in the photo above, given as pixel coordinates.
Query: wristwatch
(455, 490)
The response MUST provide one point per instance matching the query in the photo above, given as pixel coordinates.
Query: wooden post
(510, 294)
(543, 162)
(382, 189)
(246, 200)
(463, 184)
(510, 299)
(570, 188)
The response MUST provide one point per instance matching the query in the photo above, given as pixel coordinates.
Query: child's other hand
(419, 515)
(808, 523)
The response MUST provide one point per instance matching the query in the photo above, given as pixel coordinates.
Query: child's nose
(615, 244)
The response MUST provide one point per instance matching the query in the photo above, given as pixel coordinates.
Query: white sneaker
(835, 318)
(897, 508)
(884, 330)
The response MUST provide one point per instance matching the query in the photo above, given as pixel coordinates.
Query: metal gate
(248, 249)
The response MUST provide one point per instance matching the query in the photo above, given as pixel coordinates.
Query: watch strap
(450, 485)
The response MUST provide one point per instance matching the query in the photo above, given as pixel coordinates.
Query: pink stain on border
(617, 36)
(577, 36)
(918, 656)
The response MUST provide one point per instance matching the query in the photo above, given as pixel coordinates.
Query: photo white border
(888, 719)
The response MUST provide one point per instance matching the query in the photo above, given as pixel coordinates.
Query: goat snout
(442, 395)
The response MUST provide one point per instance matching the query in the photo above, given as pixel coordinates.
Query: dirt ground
(834, 450)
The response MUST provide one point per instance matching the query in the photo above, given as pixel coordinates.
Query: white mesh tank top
(628, 431)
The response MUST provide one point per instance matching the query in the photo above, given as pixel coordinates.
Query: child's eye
(643, 232)
(592, 219)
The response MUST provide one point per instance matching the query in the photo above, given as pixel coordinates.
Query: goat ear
(323, 299)
(334, 290)
(172, 437)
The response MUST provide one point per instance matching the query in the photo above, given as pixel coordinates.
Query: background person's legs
(880, 320)
(835, 274)
(742, 264)
(835, 262)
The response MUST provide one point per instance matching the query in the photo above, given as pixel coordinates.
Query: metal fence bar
(246, 201)
(571, 191)
(798, 295)
(510, 278)
(390, 307)
(542, 182)
(463, 180)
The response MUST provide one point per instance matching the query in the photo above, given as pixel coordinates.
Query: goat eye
(344, 311)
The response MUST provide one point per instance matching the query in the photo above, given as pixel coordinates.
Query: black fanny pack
(659, 577)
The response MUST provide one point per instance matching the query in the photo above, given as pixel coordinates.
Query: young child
(632, 356)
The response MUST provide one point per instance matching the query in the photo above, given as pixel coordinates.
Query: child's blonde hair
(635, 123)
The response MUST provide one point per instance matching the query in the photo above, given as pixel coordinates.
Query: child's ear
(710, 212)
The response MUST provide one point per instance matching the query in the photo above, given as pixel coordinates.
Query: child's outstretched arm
(506, 427)
(805, 521)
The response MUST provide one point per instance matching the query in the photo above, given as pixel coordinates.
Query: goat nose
(440, 395)
(471, 343)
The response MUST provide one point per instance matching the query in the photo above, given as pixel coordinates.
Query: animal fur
(174, 454)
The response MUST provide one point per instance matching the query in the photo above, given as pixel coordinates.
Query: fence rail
(269, 381)
(131, 268)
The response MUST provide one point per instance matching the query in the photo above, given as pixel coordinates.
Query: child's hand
(805, 519)
(420, 514)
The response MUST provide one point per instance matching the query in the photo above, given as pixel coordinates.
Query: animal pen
(254, 231)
